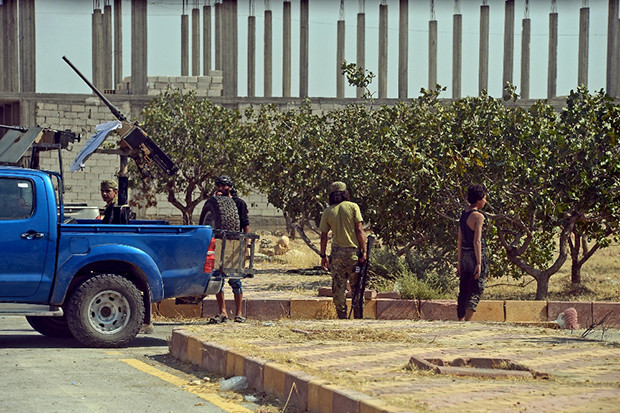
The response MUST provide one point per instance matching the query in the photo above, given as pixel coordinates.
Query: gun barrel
(17, 128)
(117, 113)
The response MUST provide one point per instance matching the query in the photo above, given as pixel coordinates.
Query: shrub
(410, 287)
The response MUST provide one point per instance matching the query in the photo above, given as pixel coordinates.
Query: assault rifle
(135, 143)
(357, 304)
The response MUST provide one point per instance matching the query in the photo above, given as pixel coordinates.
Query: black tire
(220, 212)
(50, 326)
(105, 311)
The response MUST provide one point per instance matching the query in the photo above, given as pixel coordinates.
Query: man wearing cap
(344, 219)
(224, 186)
(109, 194)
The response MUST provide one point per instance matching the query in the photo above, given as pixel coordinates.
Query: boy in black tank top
(472, 259)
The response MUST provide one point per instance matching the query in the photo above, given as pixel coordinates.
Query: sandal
(218, 319)
(239, 319)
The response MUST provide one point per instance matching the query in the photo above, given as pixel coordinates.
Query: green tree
(589, 172)
(203, 139)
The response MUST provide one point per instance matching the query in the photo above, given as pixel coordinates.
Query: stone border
(538, 312)
(307, 392)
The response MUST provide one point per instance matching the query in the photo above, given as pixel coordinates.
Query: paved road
(40, 374)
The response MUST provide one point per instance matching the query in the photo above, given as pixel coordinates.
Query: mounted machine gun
(134, 143)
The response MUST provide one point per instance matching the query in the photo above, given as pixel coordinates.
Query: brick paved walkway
(371, 357)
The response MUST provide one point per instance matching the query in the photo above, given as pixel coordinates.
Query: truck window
(16, 198)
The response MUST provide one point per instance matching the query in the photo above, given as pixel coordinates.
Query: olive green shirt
(341, 220)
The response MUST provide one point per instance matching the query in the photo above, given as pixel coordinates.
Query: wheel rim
(108, 312)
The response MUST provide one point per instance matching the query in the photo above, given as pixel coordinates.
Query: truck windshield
(16, 198)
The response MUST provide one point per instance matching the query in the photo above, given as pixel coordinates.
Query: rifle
(135, 143)
(357, 304)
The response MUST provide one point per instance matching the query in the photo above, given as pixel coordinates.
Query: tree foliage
(553, 178)
(203, 139)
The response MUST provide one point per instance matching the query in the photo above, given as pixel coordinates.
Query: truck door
(26, 237)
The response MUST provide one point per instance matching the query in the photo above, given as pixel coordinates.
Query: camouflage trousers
(343, 262)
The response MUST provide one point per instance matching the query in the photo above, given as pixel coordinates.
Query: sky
(64, 29)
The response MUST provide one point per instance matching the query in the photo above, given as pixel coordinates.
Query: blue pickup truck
(93, 281)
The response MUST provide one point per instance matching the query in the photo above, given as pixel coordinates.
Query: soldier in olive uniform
(344, 219)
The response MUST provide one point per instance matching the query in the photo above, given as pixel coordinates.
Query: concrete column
(383, 50)
(509, 33)
(361, 48)
(118, 42)
(432, 54)
(3, 62)
(552, 70)
(218, 35)
(403, 49)
(229, 47)
(340, 59)
(286, 49)
(457, 54)
(138, 47)
(268, 55)
(613, 55)
(184, 45)
(195, 41)
(483, 53)
(11, 48)
(303, 47)
(206, 35)
(525, 59)
(584, 34)
(235, 50)
(108, 59)
(251, 56)
(97, 49)
(27, 46)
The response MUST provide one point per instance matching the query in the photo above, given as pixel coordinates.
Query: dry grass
(600, 277)
(600, 281)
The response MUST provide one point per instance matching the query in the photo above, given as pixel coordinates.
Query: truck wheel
(50, 326)
(220, 212)
(105, 311)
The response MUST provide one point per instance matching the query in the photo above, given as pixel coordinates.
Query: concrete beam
(139, 45)
(483, 53)
(361, 48)
(195, 42)
(383, 50)
(27, 46)
(206, 42)
(509, 23)
(268, 55)
(525, 58)
(403, 49)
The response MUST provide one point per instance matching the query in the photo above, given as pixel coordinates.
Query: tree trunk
(542, 288)
(575, 273)
(290, 228)
(575, 248)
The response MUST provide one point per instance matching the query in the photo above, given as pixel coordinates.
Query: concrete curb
(307, 392)
(399, 309)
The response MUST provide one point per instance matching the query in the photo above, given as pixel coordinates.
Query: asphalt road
(41, 374)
